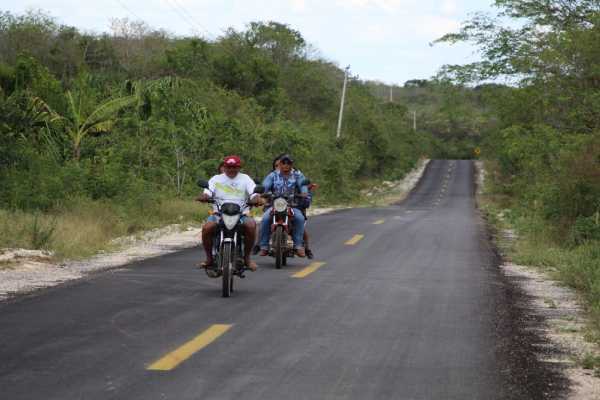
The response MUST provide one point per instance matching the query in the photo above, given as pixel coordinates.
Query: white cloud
(433, 26)
(449, 7)
(387, 5)
(375, 34)
(298, 5)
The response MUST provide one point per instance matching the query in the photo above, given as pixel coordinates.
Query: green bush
(586, 229)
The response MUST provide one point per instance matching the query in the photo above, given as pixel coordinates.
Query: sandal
(251, 265)
(206, 264)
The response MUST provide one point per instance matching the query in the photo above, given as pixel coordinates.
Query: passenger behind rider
(283, 181)
(234, 187)
(303, 203)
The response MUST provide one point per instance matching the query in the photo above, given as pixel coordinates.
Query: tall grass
(83, 227)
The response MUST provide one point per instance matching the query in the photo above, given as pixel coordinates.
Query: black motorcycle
(228, 243)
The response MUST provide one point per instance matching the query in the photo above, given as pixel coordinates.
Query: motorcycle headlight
(280, 205)
(230, 220)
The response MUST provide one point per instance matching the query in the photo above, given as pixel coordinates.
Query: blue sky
(386, 40)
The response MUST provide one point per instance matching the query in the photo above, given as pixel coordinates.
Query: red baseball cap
(232, 161)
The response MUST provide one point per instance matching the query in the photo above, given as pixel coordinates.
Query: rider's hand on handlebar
(203, 198)
(257, 201)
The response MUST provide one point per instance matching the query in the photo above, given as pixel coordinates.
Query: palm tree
(78, 124)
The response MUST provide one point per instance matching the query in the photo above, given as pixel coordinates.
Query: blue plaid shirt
(279, 184)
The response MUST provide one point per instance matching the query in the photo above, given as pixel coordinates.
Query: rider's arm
(268, 182)
(250, 186)
(211, 186)
(300, 178)
(301, 188)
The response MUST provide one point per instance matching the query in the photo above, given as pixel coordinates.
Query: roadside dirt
(559, 319)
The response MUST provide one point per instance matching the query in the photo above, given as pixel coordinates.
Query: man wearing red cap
(232, 187)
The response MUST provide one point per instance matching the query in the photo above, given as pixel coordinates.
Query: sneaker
(300, 252)
(264, 252)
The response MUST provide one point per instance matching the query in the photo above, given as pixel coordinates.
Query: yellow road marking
(176, 357)
(308, 270)
(379, 222)
(355, 239)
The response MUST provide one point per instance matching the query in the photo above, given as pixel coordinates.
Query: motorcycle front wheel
(227, 269)
(278, 248)
(285, 247)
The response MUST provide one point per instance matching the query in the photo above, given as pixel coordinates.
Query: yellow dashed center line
(308, 270)
(379, 222)
(176, 357)
(355, 239)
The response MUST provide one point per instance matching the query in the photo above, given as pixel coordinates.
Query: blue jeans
(265, 229)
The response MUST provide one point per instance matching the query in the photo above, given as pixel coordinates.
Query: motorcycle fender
(275, 225)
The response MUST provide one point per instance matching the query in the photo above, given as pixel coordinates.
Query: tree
(78, 123)
(282, 43)
(552, 51)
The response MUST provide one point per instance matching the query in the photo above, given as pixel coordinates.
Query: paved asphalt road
(414, 309)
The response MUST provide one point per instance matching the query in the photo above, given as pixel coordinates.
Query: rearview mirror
(202, 183)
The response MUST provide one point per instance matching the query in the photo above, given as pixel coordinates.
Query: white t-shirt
(227, 190)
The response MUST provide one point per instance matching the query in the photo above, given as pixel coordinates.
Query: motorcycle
(228, 243)
(282, 215)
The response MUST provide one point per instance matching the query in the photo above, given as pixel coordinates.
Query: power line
(180, 15)
(187, 16)
(129, 10)
(193, 19)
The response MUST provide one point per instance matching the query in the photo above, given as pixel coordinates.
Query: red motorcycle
(282, 216)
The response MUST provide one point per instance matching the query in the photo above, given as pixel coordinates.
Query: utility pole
(339, 127)
(391, 94)
(414, 113)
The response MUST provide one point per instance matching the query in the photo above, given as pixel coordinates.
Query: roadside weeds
(566, 321)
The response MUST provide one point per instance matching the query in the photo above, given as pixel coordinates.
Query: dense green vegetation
(544, 148)
(454, 114)
(132, 118)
